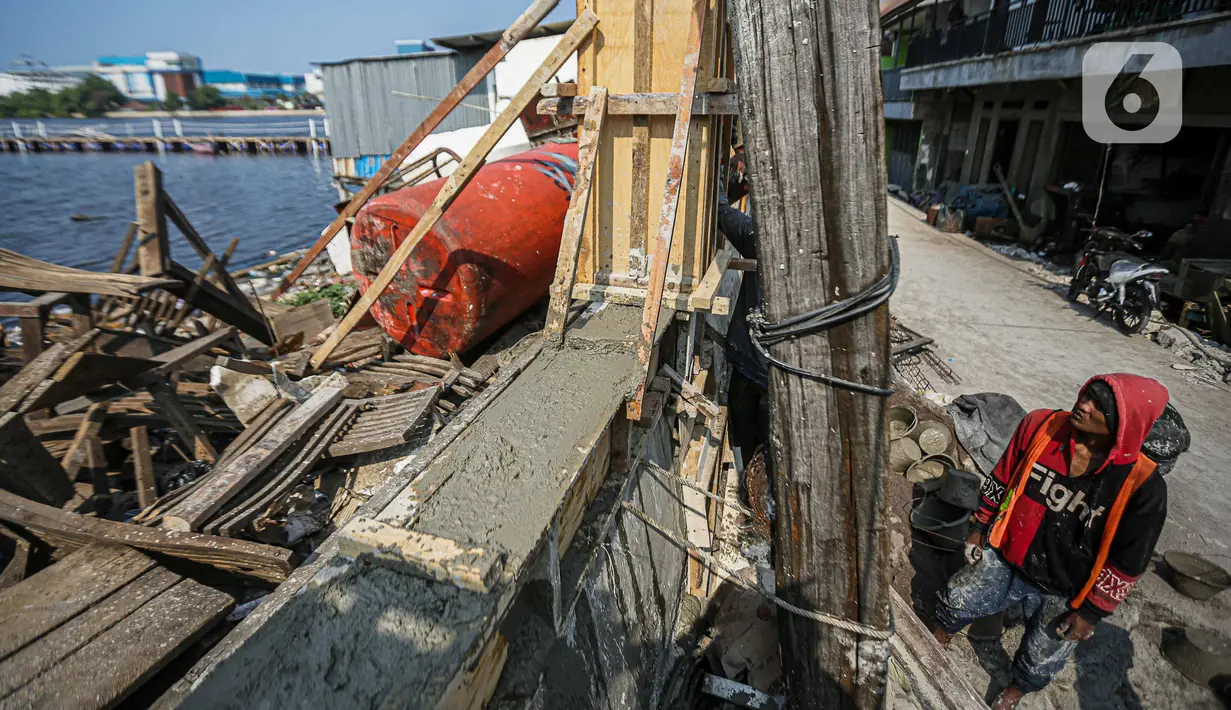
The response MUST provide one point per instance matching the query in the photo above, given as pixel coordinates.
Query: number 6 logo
(1132, 92)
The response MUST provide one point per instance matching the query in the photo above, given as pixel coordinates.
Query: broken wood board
(59, 528)
(626, 296)
(310, 319)
(19, 387)
(935, 679)
(193, 511)
(385, 421)
(85, 372)
(111, 662)
(23, 273)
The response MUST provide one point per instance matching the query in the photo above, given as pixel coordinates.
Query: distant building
(412, 46)
(15, 82)
(314, 83)
(251, 85)
(150, 76)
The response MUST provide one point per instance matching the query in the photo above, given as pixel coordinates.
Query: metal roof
(385, 58)
(485, 40)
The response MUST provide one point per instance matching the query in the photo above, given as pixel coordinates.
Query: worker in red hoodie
(1066, 525)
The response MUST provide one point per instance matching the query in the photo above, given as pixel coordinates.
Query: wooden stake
(143, 466)
(516, 31)
(152, 252)
(671, 200)
(460, 178)
(817, 172)
(574, 221)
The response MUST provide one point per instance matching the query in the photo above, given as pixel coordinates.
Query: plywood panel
(638, 47)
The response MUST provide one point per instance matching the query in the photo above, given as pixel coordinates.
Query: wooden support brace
(691, 394)
(460, 178)
(516, 31)
(173, 411)
(643, 104)
(702, 297)
(671, 199)
(627, 296)
(574, 221)
(143, 466)
(153, 255)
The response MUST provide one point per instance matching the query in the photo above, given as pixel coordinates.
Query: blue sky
(245, 35)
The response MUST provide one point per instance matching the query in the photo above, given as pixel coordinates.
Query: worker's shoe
(1008, 699)
(944, 637)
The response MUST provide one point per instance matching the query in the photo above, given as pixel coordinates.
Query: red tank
(489, 258)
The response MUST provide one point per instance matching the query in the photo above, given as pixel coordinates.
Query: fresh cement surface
(1003, 329)
(508, 473)
(365, 635)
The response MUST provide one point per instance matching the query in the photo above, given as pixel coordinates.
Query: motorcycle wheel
(1077, 285)
(1132, 316)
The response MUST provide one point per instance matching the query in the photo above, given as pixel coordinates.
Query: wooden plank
(222, 305)
(23, 383)
(173, 410)
(63, 590)
(214, 264)
(692, 395)
(86, 372)
(69, 530)
(25, 665)
(173, 359)
(570, 241)
(153, 253)
(425, 555)
(143, 466)
(671, 199)
(460, 177)
(105, 671)
(642, 104)
(558, 90)
(26, 468)
(935, 679)
(625, 296)
(15, 571)
(88, 429)
(23, 273)
(702, 297)
(126, 245)
(511, 36)
(309, 319)
(207, 499)
(473, 688)
(185, 306)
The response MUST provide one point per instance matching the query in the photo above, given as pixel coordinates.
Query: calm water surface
(277, 203)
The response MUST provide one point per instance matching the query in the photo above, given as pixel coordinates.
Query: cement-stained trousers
(990, 586)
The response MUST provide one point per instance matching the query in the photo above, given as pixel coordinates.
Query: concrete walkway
(1006, 331)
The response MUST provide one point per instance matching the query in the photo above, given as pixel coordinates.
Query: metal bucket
(1194, 576)
(1203, 657)
(934, 437)
(902, 421)
(945, 524)
(903, 453)
(929, 467)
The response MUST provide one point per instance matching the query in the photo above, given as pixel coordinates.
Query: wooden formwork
(639, 48)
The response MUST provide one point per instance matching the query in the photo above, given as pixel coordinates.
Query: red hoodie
(1056, 527)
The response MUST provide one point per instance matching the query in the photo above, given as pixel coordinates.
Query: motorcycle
(1115, 280)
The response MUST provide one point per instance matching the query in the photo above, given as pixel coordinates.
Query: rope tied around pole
(765, 333)
(709, 560)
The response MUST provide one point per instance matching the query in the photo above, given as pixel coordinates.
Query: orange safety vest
(1045, 434)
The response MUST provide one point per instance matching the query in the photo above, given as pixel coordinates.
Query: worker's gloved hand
(1074, 628)
(975, 542)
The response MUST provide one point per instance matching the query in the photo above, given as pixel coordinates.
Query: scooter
(1115, 280)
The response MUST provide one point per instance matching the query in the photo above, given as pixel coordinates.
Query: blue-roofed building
(413, 46)
(149, 76)
(236, 85)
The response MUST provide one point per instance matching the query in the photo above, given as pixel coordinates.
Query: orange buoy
(490, 256)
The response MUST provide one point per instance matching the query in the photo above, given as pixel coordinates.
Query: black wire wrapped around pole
(765, 334)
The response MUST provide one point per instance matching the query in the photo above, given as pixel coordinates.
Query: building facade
(236, 85)
(150, 76)
(979, 87)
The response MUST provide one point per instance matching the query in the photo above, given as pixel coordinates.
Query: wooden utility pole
(811, 105)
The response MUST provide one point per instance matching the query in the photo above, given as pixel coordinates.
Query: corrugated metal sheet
(367, 118)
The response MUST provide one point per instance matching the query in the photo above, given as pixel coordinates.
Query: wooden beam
(26, 468)
(85, 372)
(425, 555)
(702, 297)
(153, 252)
(516, 31)
(68, 530)
(19, 387)
(210, 261)
(691, 394)
(570, 241)
(208, 498)
(88, 429)
(220, 304)
(558, 90)
(819, 166)
(626, 296)
(143, 466)
(642, 104)
(126, 245)
(661, 253)
(460, 178)
(169, 405)
(935, 678)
